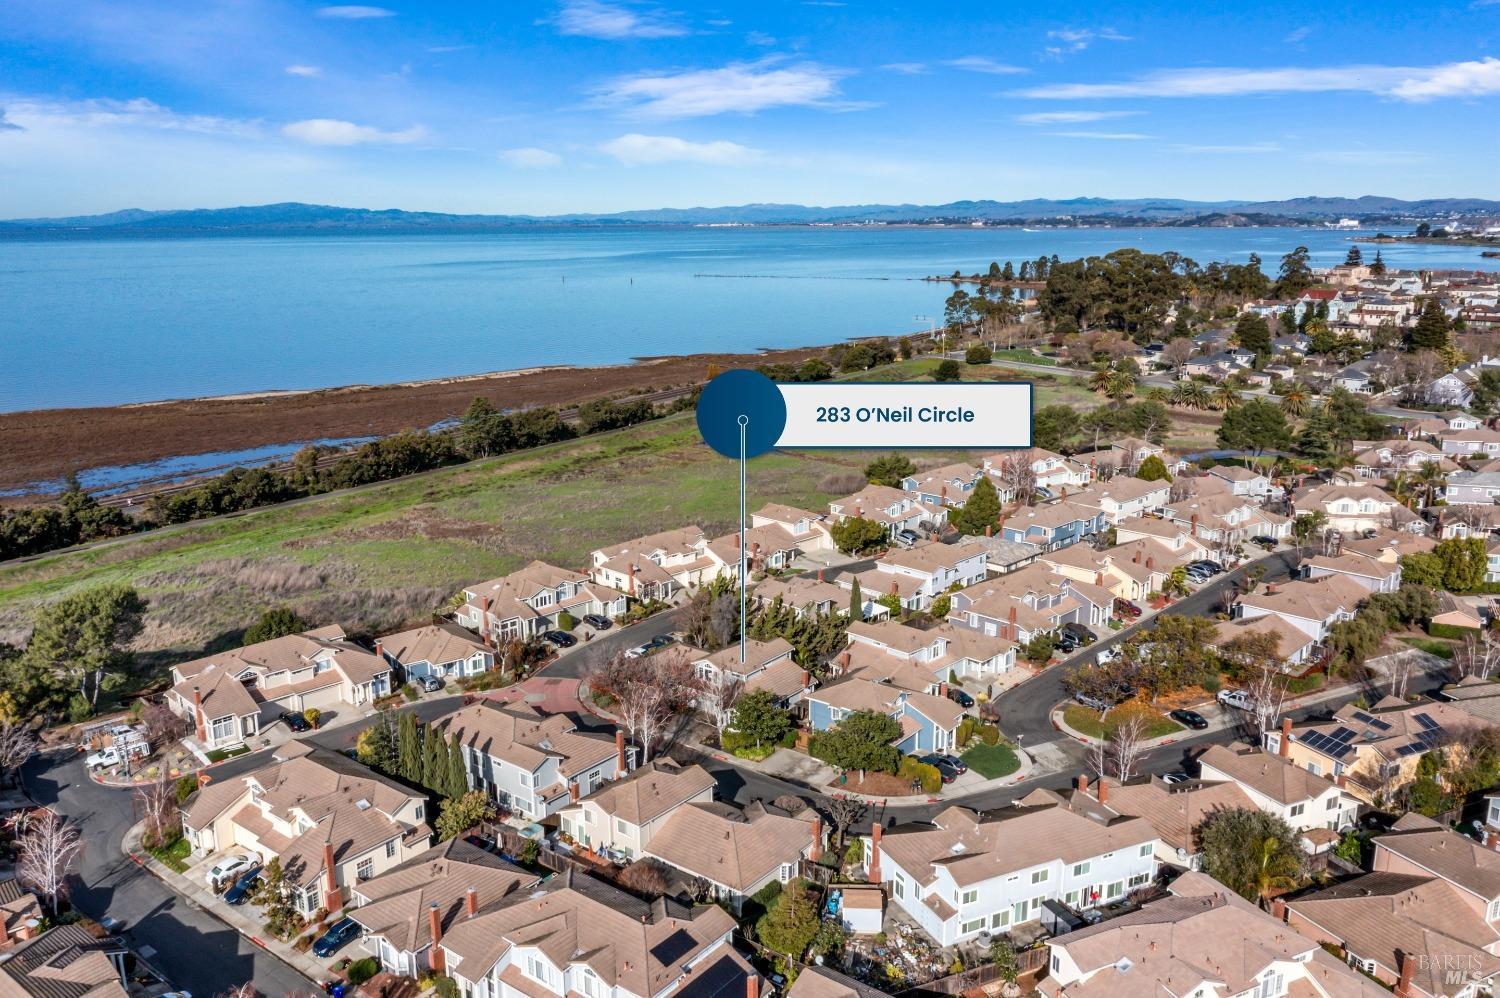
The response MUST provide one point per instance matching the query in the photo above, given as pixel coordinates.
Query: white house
(621, 818)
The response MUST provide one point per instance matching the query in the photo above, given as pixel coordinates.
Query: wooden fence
(1030, 961)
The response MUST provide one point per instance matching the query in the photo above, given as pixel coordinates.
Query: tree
(1431, 329)
(1253, 333)
(721, 692)
(980, 511)
(1463, 561)
(857, 535)
(842, 813)
(1153, 469)
(47, 851)
(651, 693)
(160, 725)
(947, 370)
(312, 715)
(1295, 275)
(274, 623)
(1257, 425)
(1353, 258)
(862, 740)
(275, 900)
(789, 926)
(758, 717)
(1017, 473)
(459, 814)
(434, 762)
(978, 354)
(78, 643)
(458, 774)
(409, 748)
(376, 746)
(1039, 649)
(1127, 743)
(856, 601)
(17, 746)
(646, 876)
(1254, 853)
(1377, 266)
(156, 802)
(890, 469)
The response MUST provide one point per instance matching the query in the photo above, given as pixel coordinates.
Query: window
(1000, 919)
(1297, 810)
(1333, 804)
(1272, 984)
(418, 812)
(1038, 876)
(787, 871)
(536, 969)
(900, 887)
(390, 849)
(1115, 889)
(1080, 869)
(970, 897)
(366, 869)
(620, 825)
(526, 779)
(976, 925)
(1056, 963)
(1146, 849)
(590, 984)
(310, 897)
(1494, 911)
(1071, 899)
(1139, 879)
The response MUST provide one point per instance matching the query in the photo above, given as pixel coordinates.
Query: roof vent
(1123, 965)
(362, 804)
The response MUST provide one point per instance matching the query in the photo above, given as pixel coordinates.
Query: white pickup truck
(115, 754)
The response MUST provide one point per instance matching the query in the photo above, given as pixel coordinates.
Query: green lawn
(175, 855)
(1020, 356)
(991, 761)
(1086, 721)
(1433, 646)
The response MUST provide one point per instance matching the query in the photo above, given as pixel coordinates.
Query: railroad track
(140, 497)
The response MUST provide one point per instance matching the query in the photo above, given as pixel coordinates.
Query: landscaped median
(1087, 722)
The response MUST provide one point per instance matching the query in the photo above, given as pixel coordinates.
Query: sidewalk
(199, 896)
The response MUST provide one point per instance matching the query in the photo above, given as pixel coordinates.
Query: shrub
(1450, 631)
(927, 776)
(948, 370)
(566, 621)
(312, 715)
(854, 852)
(988, 733)
(362, 970)
(184, 787)
(1212, 684)
(978, 354)
(1305, 684)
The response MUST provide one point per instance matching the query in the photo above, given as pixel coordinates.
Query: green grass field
(991, 761)
(1020, 356)
(1086, 721)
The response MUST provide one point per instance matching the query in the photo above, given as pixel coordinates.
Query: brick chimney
(471, 902)
(944, 495)
(806, 680)
(1278, 910)
(1101, 789)
(4, 932)
(942, 689)
(1408, 967)
(736, 538)
(820, 575)
(844, 661)
(335, 900)
(437, 961)
(859, 512)
(1151, 561)
(817, 840)
(752, 985)
(1081, 782)
(875, 853)
(989, 531)
(1014, 631)
(573, 792)
(895, 589)
(1137, 558)
(630, 571)
(620, 753)
(199, 725)
(1491, 838)
(1341, 781)
(1284, 749)
(484, 618)
(379, 651)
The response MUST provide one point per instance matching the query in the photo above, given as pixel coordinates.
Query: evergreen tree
(1377, 266)
(1153, 469)
(409, 749)
(434, 763)
(458, 776)
(376, 746)
(1253, 333)
(788, 928)
(856, 602)
(758, 716)
(274, 623)
(980, 510)
(1431, 330)
(1354, 258)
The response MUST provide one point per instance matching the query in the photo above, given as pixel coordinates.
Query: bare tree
(1477, 656)
(48, 849)
(157, 802)
(1267, 688)
(1098, 758)
(721, 692)
(1400, 673)
(652, 692)
(1127, 745)
(161, 725)
(17, 745)
(1019, 477)
(843, 812)
(1178, 352)
(246, 990)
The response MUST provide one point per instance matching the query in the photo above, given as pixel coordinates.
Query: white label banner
(989, 414)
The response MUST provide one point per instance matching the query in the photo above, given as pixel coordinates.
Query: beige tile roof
(437, 644)
(892, 634)
(524, 737)
(1323, 495)
(1355, 563)
(1175, 811)
(290, 653)
(800, 591)
(66, 961)
(1275, 777)
(731, 847)
(930, 556)
(758, 655)
(651, 791)
(784, 679)
(396, 904)
(1455, 858)
(223, 694)
(576, 918)
(1125, 488)
(1313, 599)
(976, 849)
(1289, 640)
(820, 982)
(679, 541)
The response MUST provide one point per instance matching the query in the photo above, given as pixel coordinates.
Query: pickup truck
(114, 755)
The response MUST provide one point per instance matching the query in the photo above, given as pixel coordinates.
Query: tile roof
(728, 846)
(437, 644)
(1271, 775)
(820, 982)
(66, 961)
(1289, 639)
(1312, 599)
(1455, 858)
(1174, 810)
(651, 791)
(524, 737)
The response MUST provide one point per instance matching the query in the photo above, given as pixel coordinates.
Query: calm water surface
(87, 323)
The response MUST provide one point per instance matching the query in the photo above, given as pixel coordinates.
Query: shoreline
(44, 445)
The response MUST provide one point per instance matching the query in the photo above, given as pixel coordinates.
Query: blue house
(1058, 524)
(940, 487)
(929, 723)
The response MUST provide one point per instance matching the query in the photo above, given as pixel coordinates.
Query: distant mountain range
(293, 218)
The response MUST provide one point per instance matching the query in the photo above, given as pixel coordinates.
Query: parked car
(953, 761)
(1189, 719)
(432, 684)
(561, 639)
(959, 697)
(241, 889)
(1238, 699)
(1128, 610)
(229, 866)
(947, 772)
(597, 621)
(661, 641)
(1105, 655)
(1197, 574)
(115, 755)
(1066, 643)
(639, 651)
(338, 934)
(295, 721)
(1264, 540)
(906, 538)
(1177, 777)
(1082, 634)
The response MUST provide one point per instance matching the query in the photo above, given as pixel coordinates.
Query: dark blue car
(337, 935)
(243, 885)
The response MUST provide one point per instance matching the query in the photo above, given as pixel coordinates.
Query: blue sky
(589, 105)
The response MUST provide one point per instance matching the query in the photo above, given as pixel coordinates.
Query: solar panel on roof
(1342, 734)
(1427, 722)
(1341, 750)
(1362, 717)
(674, 947)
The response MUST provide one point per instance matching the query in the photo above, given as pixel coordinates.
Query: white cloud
(1243, 149)
(355, 12)
(1077, 39)
(332, 132)
(1411, 83)
(305, 70)
(531, 158)
(983, 64)
(135, 114)
(597, 19)
(639, 150)
(906, 68)
(759, 38)
(742, 88)
(1298, 34)
(1071, 117)
(1108, 136)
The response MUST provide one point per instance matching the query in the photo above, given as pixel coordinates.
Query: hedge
(913, 769)
(1451, 631)
(566, 621)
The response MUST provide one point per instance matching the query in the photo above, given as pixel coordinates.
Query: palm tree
(1121, 386)
(1224, 398)
(1294, 400)
(1099, 380)
(1277, 869)
(1429, 478)
(1161, 395)
(1402, 488)
(1197, 395)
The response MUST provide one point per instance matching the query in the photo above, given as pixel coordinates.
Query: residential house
(621, 818)
(1002, 555)
(767, 665)
(1127, 454)
(770, 548)
(1390, 924)
(658, 566)
(1419, 846)
(738, 852)
(870, 679)
(820, 982)
(1223, 521)
(943, 653)
(1123, 496)
(1294, 646)
(1477, 488)
(949, 485)
(1311, 607)
(808, 529)
(1214, 366)
(21, 914)
(804, 595)
(1374, 751)
(577, 935)
(533, 763)
(1027, 602)
(68, 961)
(1479, 441)
(1053, 472)
(1057, 524)
(1433, 426)
(891, 508)
(1460, 613)
(1204, 941)
(437, 651)
(1479, 698)
(1174, 810)
(525, 603)
(921, 573)
(1376, 576)
(965, 873)
(1449, 389)
(1242, 481)
(1178, 540)
(228, 697)
(1357, 378)
(1292, 345)
(1130, 571)
(404, 910)
(1353, 508)
(1279, 786)
(330, 821)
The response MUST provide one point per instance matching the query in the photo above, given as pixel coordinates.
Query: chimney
(630, 570)
(736, 539)
(379, 650)
(895, 589)
(752, 985)
(859, 512)
(484, 618)
(573, 792)
(1491, 838)
(875, 853)
(1082, 783)
(806, 680)
(1278, 910)
(1137, 558)
(817, 840)
(844, 661)
(1194, 522)
(1341, 781)
(989, 531)
(820, 575)
(620, 753)
(942, 689)
(1284, 749)
(1102, 789)
(199, 725)
(4, 932)
(1151, 561)
(437, 961)
(335, 899)
(944, 495)
(471, 902)
(1408, 967)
